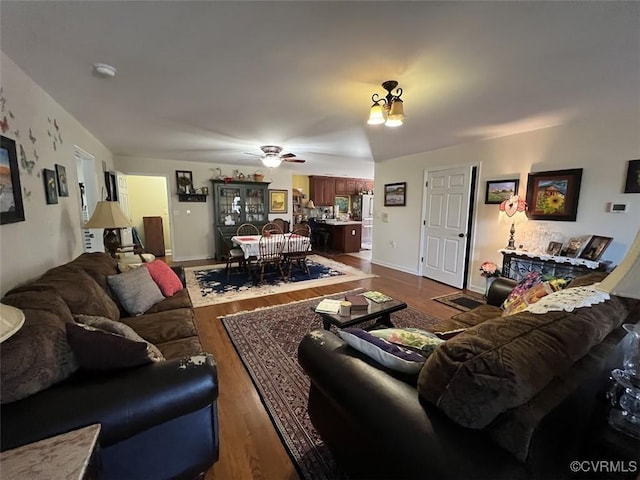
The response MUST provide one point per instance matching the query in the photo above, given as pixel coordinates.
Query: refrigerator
(362, 210)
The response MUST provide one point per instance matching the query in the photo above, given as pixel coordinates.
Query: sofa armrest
(180, 272)
(124, 402)
(500, 290)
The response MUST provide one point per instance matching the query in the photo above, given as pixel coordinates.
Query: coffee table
(376, 311)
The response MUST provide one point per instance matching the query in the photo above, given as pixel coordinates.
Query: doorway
(89, 197)
(447, 214)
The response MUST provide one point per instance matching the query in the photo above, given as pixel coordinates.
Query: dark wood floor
(249, 445)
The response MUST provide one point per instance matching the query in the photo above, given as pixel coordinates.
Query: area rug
(208, 285)
(461, 301)
(266, 341)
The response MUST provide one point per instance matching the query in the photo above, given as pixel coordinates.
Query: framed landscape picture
(500, 190)
(395, 194)
(342, 203)
(554, 195)
(277, 201)
(11, 208)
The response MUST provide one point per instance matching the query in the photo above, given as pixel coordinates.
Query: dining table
(250, 243)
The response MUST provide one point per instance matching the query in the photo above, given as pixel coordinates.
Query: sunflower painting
(554, 195)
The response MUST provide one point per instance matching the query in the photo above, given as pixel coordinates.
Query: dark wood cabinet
(322, 190)
(346, 238)
(341, 186)
(153, 235)
(235, 203)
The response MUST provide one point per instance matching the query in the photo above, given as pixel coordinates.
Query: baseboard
(394, 267)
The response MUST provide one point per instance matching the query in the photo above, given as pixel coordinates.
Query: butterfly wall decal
(26, 164)
(31, 137)
(4, 124)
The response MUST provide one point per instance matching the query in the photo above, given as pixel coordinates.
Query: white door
(89, 196)
(126, 237)
(448, 194)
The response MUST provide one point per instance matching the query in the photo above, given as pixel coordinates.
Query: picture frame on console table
(554, 195)
(595, 247)
(11, 208)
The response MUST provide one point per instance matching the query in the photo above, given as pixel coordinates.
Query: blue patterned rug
(209, 286)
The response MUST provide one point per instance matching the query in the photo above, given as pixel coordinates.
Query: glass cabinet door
(255, 205)
(230, 208)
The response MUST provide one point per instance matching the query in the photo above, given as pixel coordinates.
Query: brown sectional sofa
(511, 397)
(159, 420)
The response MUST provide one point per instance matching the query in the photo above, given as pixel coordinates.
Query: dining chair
(272, 228)
(247, 229)
(270, 249)
(298, 248)
(282, 223)
(234, 254)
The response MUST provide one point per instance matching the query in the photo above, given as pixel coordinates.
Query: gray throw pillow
(136, 290)
(102, 344)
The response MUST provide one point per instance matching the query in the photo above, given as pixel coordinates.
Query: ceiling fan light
(393, 122)
(271, 161)
(397, 110)
(376, 115)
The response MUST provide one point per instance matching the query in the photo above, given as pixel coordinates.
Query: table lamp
(108, 215)
(513, 210)
(624, 281)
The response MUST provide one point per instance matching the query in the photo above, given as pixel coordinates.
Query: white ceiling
(209, 81)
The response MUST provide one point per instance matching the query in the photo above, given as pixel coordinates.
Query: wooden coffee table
(376, 311)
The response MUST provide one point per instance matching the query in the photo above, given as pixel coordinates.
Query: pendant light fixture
(388, 109)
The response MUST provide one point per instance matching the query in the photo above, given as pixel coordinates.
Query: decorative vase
(490, 280)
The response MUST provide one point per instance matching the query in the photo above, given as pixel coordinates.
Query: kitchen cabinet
(322, 190)
(345, 237)
(235, 203)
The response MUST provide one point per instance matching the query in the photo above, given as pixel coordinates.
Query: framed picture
(500, 190)
(277, 201)
(342, 203)
(63, 188)
(554, 248)
(554, 195)
(111, 186)
(184, 180)
(50, 187)
(595, 247)
(11, 208)
(395, 194)
(574, 246)
(632, 183)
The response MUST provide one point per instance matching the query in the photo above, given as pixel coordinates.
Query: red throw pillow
(166, 278)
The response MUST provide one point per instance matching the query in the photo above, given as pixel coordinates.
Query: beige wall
(51, 234)
(148, 197)
(601, 146)
(301, 182)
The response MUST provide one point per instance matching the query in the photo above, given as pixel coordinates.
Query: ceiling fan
(273, 158)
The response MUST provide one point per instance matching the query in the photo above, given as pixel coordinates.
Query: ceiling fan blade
(293, 160)
(253, 154)
(287, 155)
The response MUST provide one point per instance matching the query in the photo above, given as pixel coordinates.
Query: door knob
(461, 235)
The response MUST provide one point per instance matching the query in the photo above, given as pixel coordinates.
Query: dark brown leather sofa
(158, 420)
(381, 424)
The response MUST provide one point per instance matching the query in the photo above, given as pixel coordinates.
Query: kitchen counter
(331, 221)
(344, 237)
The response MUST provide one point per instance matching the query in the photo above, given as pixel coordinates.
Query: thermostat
(617, 207)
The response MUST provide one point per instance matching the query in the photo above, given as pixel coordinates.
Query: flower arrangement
(489, 269)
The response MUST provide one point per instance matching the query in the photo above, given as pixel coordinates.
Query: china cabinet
(235, 203)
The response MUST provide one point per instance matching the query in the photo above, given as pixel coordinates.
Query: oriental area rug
(267, 341)
(208, 285)
(461, 301)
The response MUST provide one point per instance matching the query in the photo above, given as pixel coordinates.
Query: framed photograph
(184, 180)
(111, 186)
(11, 208)
(500, 190)
(632, 183)
(554, 195)
(554, 248)
(574, 246)
(277, 201)
(595, 247)
(50, 187)
(395, 194)
(342, 203)
(63, 187)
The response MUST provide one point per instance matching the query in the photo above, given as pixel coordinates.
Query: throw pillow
(531, 279)
(420, 341)
(99, 349)
(383, 352)
(164, 277)
(135, 290)
(533, 295)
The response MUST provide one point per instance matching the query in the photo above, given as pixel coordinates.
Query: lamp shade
(513, 211)
(107, 215)
(624, 281)
(376, 115)
(310, 204)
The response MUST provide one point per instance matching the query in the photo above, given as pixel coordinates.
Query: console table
(516, 264)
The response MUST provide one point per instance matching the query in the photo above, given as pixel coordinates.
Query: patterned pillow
(420, 341)
(164, 277)
(383, 352)
(533, 295)
(111, 346)
(136, 290)
(532, 278)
